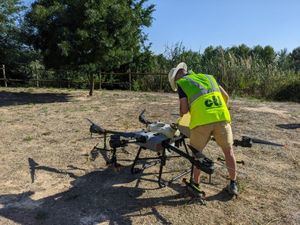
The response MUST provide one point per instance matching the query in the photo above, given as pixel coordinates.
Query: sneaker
(196, 186)
(196, 190)
(232, 188)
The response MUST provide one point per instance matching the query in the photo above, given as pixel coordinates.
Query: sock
(197, 185)
(232, 181)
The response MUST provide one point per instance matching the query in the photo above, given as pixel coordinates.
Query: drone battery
(153, 141)
(183, 124)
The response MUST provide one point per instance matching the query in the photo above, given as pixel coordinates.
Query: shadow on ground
(100, 196)
(23, 98)
(289, 126)
(93, 198)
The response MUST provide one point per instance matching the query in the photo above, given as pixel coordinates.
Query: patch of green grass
(151, 98)
(95, 107)
(44, 110)
(29, 90)
(242, 185)
(28, 138)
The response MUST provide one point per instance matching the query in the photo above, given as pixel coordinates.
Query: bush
(289, 92)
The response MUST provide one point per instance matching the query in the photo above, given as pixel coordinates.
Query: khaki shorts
(221, 131)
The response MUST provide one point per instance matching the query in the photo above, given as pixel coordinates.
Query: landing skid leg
(162, 164)
(135, 170)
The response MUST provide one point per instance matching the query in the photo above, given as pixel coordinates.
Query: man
(206, 101)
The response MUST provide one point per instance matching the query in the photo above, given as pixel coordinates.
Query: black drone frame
(122, 139)
(119, 139)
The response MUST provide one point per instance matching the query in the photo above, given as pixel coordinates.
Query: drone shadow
(33, 166)
(289, 126)
(24, 98)
(96, 197)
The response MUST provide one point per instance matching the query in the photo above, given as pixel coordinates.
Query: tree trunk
(100, 80)
(4, 76)
(130, 79)
(92, 84)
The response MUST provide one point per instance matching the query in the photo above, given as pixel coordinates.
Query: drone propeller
(142, 118)
(248, 141)
(94, 128)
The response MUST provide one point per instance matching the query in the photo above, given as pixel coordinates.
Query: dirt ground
(46, 177)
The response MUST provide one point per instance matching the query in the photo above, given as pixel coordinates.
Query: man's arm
(224, 94)
(183, 102)
(184, 106)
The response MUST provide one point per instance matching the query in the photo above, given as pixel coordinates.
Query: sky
(198, 24)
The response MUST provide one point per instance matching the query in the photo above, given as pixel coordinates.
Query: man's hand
(224, 94)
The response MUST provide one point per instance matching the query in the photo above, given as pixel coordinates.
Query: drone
(162, 138)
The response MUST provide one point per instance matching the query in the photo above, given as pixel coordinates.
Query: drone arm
(204, 164)
(248, 141)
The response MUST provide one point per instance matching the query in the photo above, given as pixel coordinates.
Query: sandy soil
(46, 177)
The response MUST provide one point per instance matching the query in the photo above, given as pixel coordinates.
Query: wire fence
(151, 81)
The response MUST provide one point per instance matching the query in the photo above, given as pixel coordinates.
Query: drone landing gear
(135, 170)
(113, 161)
(161, 159)
(194, 192)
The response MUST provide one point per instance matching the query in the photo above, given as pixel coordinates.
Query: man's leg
(196, 173)
(230, 162)
(200, 135)
(231, 167)
(223, 135)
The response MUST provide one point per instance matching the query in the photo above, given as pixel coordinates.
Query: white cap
(172, 74)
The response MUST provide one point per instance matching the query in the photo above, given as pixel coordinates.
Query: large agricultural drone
(161, 138)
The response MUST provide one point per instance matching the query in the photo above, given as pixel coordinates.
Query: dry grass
(48, 127)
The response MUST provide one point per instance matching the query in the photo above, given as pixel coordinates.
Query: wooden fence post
(37, 78)
(160, 85)
(100, 80)
(91, 84)
(130, 80)
(4, 76)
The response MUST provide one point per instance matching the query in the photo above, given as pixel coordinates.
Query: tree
(257, 51)
(269, 55)
(284, 60)
(295, 55)
(14, 53)
(9, 32)
(10, 45)
(266, 54)
(212, 60)
(90, 34)
(242, 51)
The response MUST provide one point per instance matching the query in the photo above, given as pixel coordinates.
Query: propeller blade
(142, 118)
(259, 141)
(248, 141)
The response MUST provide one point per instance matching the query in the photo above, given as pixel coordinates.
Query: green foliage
(288, 92)
(136, 85)
(295, 56)
(103, 33)
(9, 33)
(78, 39)
(13, 51)
(258, 72)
